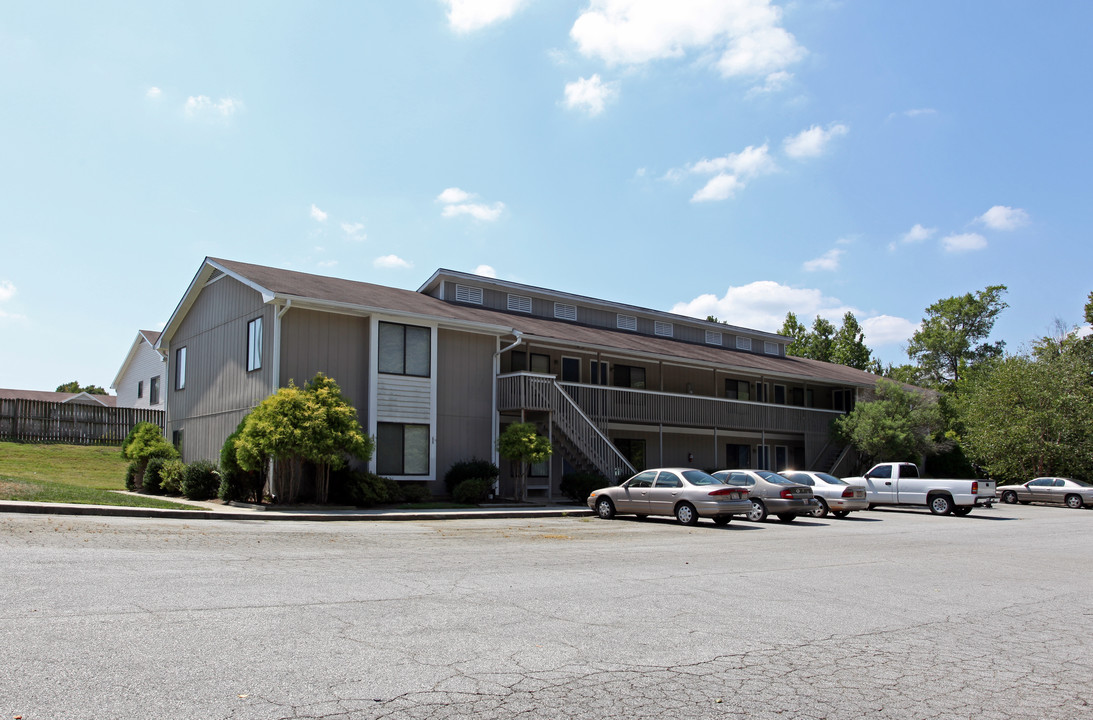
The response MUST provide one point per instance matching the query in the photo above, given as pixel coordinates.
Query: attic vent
(713, 337)
(662, 328)
(627, 322)
(466, 294)
(743, 343)
(519, 303)
(770, 348)
(565, 312)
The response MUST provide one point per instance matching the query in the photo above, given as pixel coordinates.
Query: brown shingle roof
(47, 396)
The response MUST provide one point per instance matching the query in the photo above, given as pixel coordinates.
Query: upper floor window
(180, 368)
(540, 363)
(630, 377)
(254, 344)
(405, 349)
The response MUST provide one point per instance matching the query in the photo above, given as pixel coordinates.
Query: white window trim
(626, 322)
(468, 294)
(771, 348)
(563, 311)
(713, 337)
(519, 303)
(743, 343)
(664, 329)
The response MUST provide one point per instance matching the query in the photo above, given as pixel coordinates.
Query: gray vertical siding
(336, 345)
(219, 391)
(464, 398)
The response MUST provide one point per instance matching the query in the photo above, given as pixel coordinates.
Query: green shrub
(237, 484)
(468, 470)
(144, 442)
(578, 486)
(153, 476)
(361, 489)
(170, 477)
(473, 491)
(200, 481)
(414, 492)
(131, 476)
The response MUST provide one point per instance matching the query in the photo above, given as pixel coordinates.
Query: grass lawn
(69, 474)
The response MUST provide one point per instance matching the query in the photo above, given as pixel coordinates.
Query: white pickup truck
(897, 483)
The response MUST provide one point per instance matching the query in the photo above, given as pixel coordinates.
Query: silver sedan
(1072, 493)
(683, 492)
(770, 493)
(833, 495)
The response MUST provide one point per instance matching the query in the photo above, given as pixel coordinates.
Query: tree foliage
(793, 329)
(75, 387)
(844, 346)
(899, 425)
(1032, 414)
(953, 336)
(522, 444)
(848, 345)
(144, 442)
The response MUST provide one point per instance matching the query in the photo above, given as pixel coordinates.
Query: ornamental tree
(144, 442)
(522, 444)
(899, 425)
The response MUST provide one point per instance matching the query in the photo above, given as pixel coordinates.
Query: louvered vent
(713, 337)
(565, 312)
(664, 329)
(519, 303)
(627, 322)
(467, 294)
(743, 343)
(770, 348)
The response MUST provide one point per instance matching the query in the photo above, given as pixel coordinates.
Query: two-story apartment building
(436, 373)
(139, 382)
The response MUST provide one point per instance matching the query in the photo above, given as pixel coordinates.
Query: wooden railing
(73, 423)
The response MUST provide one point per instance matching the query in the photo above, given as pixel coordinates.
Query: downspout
(496, 429)
(274, 490)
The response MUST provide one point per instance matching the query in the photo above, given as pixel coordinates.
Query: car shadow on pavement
(923, 511)
(736, 524)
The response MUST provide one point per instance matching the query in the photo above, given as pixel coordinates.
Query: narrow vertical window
(153, 391)
(140, 388)
(254, 344)
(180, 368)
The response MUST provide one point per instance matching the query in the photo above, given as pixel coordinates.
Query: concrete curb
(14, 506)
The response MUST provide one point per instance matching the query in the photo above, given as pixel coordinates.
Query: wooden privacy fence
(72, 423)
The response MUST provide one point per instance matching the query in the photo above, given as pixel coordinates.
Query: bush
(362, 489)
(144, 442)
(469, 470)
(200, 480)
(413, 492)
(131, 477)
(153, 476)
(237, 484)
(170, 477)
(473, 491)
(579, 485)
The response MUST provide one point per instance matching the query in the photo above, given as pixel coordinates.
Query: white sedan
(835, 495)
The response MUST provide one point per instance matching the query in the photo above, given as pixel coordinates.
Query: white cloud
(468, 15)
(485, 271)
(391, 262)
(763, 305)
(963, 243)
(730, 172)
(590, 94)
(455, 205)
(354, 231)
(828, 261)
(1001, 217)
(745, 36)
(812, 142)
(153, 93)
(203, 106)
(317, 214)
(773, 83)
(7, 291)
(919, 112)
(916, 234)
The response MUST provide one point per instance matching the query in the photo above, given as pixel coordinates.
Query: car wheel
(821, 510)
(686, 514)
(722, 520)
(962, 510)
(605, 508)
(787, 517)
(941, 505)
(758, 512)
(1009, 497)
(1074, 501)
(841, 513)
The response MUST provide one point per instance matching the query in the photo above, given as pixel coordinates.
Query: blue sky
(739, 158)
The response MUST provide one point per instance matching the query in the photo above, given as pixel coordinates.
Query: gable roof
(144, 337)
(352, 296)
(59, 397)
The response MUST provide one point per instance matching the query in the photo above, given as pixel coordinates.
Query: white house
(140, 382)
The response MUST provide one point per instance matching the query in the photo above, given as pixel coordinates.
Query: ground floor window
(402, 449)
(737, 456)
(633, 450)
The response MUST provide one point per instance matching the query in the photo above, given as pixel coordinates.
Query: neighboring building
(80, 398)
(435, 374)
(139, 382)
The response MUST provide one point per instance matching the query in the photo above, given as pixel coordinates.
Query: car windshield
(830, 479)
(774, 477)
(697, 477)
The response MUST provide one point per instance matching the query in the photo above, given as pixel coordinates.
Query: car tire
(822, 510)
(962, 510)
(841, 513)
(941, 504)
(1074, 501)
(1009, 497)
(605, 508)
(722, 520)
(686, 514)
(787, 517)
(758, 512)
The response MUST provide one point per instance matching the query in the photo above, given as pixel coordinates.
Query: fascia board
(129, 359)
(344, 308)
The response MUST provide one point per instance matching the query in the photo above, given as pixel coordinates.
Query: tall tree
(821, 340)
(75, 387)
(900, 424)
(953, 334)
(848, 345)
(792, 328)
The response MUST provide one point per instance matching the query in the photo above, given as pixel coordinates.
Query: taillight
(849, 492)
(736, 493)
(787, 494)
(975, 488)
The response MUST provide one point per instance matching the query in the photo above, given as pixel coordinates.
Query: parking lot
(890, 614)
